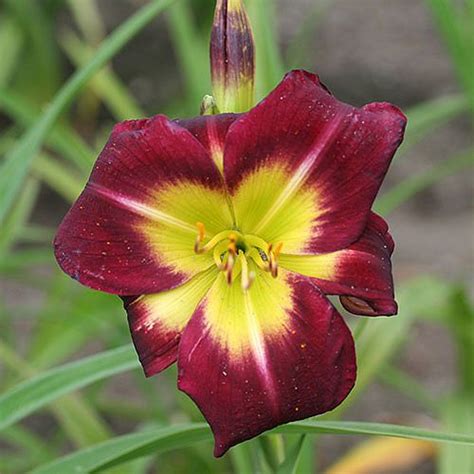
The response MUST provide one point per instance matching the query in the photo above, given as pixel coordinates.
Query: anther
(200, 237)
(273, 255)
(229, 267)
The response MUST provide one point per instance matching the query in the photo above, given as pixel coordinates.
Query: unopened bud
(209, 106)
(232, 57)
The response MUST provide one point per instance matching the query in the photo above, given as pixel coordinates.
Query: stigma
(237, 255)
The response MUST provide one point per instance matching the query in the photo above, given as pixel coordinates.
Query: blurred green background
(67, 75)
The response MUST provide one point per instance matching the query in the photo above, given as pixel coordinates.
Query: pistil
(231, 251)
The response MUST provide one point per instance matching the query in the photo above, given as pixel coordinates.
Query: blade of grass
(61, 138)
(291, 462)
(19, 215)
(20, 260)
(241, 457)
(11, 41)
(407, 385)
(125, 448)
(88, 18)
(401, 193)
(42, 59)
(58, 177)
(79, 420)
(191, 51)
(456, 24)
(105, 83)
(378, 429)
(37, 233)
(382, 337)
(457, 412)
(38, 450)
(66, 182)
(17, 163)
(269, 63)
(425, 117)
(42, 389)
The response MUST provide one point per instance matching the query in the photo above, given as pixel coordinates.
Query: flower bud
(232, 57)
(209, 106)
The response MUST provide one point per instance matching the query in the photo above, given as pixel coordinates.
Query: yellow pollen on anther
(273, 254)
(231, 248)
(277, 249)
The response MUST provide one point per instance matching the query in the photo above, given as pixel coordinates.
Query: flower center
(233, 251)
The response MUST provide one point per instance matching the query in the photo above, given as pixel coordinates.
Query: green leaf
(41, 60)
(105, 83)
(415, 184)
(455, 22)
(19, 215)
(291, 462)
(377, 429)
(126, 448)
(11, 41)
(457, 412)
(59, 178)
(48, 386)
(241, 457)
(269, 63)
(191, 51)
(407, 385)
(427, 116)
(62, 138)
(15, 167)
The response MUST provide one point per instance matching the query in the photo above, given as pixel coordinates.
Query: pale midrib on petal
(257, 343)
(140, 208)
(217, 155)
(302, 173)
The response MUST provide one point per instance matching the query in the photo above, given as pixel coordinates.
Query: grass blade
(269, 63)
(456, 25)
(458, 412)
(415, 184)
(16, 165)
(191, 51)
(40, 390)
(105, 83)
(378, 429)
(126, 448)
(62, 138)
(427, 116)
(291, 462)
(19, 215)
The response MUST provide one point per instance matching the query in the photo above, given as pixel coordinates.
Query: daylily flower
(230, 230)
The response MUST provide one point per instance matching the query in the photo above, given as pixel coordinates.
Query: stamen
(229, 267)
(201, 230)
(246, 277)
(273, 264)
(217, 255)
(214, 241)
(260, 258)
(277, 249)
(232, 247)
(200, 237)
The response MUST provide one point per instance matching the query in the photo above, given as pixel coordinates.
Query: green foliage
(53, 132)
